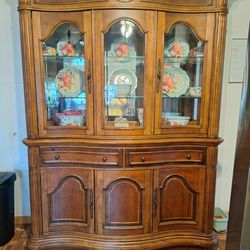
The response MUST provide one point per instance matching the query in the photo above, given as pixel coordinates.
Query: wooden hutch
(122, 106)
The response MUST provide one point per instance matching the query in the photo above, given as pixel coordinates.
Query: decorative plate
(178, 49)
(64, 48)
(175, 82)
(124, 76)
(122, 50)
(72, 47)
(70, 81)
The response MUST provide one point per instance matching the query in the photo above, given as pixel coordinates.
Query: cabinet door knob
(143, 159)
(189, 156)
(57, 157)
(104, 158)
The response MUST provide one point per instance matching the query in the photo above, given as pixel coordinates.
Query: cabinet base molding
(174, 240)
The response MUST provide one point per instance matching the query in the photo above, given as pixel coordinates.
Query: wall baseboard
(22, 220)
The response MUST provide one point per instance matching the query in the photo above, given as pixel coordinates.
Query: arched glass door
(124, 53)
(64, 77)
(182, 77)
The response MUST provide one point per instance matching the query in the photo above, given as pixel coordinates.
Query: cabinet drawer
(88, 157)
(165, 156)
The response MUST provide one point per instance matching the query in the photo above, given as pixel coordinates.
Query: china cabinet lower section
(122, 197)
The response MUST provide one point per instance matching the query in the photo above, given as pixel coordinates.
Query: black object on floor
(7, 225)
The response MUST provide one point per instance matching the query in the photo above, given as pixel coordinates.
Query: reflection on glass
(182, 77)
(124, 48)
(64, 68)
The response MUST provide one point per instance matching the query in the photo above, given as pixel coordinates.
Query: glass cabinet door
(64, 77)
(124, 51)
(63, 66)
(182, 83)
(181, 77)
(124, 72)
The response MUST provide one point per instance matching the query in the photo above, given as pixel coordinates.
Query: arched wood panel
(67, 200)
(178, 193)
(124, 197)
(179, 198)
(70, 189)
(118, 212)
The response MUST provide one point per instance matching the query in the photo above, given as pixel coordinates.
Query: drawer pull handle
(57, 157)
(189, 156)
(104, 159)
(143, 159)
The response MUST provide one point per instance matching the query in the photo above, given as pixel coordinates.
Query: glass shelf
(125, 97)
(182, 97)
(184, 59)
(63, 57)
(109, 60)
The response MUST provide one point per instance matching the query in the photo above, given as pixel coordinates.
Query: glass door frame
(44, 30)
(103, 21)
(166, 22)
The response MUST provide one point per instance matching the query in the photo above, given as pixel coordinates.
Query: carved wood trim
(216, 86)
(124, 1)
(124, 19)
(192, 29)
(54, 28)
(184, 4)
(28, 72)
(63, 2)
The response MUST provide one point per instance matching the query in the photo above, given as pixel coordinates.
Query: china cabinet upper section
(122, 72)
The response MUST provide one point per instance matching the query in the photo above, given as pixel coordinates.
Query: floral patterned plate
(70, 81)
(175, 82)
(178, 49)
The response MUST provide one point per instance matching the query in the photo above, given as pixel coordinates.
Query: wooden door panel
(124, 199)
(179, 198)
(116, 200)
(176, 192)
(61, 209)
(64, 191)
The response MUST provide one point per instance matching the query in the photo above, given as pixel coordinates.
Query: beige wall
(237, 27)
(13, 155)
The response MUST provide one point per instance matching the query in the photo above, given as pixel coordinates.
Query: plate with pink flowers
(70, 81)
(175, 81)
(178, 49)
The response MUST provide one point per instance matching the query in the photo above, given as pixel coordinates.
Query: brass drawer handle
(104, 159)
(189, 156)
(57, 157)
(143, 159)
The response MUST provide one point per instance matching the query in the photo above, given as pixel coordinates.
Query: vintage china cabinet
(122, 106)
